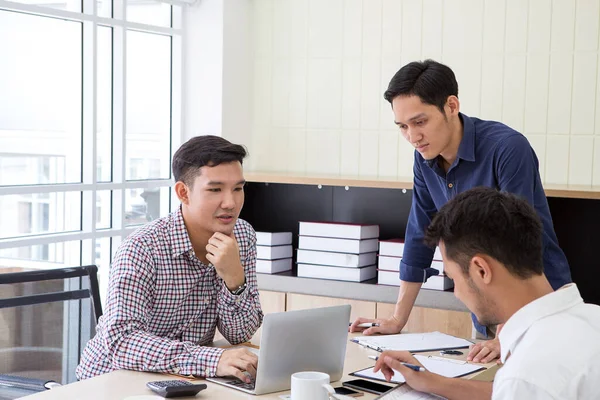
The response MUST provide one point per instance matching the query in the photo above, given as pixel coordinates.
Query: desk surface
(118, 385)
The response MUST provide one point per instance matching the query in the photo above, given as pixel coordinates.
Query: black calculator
(175, 388)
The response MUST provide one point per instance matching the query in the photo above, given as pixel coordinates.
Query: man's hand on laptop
(240, 363)
(383, 326)
(223, 252)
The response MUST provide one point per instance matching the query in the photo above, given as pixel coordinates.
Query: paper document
(405, 392)
(441, 366)
(413, 342)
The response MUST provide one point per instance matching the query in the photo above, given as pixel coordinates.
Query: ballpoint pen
(407, 365)
(367, 345)
(365, 324)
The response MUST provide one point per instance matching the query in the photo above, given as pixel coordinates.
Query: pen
(367, 345)
(407, 365)
(365, 324)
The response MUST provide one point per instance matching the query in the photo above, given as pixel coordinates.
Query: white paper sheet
(438, 365)
(405, 392)
(413, 342)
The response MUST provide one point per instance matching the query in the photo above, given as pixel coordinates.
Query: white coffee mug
(309, 386)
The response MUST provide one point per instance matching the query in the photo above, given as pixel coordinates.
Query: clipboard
(412, 342)
(442, 366)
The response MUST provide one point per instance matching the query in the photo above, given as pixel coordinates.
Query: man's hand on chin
(223, 252)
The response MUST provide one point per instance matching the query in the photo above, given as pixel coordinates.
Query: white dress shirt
(551, 350)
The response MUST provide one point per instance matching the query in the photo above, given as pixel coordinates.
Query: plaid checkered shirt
(164, 304)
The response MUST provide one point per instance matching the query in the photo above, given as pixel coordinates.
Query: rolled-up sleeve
(415, 265)
(241, 316)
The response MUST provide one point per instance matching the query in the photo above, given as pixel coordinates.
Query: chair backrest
(53, 274)
(41, 338)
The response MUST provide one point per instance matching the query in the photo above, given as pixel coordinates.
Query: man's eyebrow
(421, 115)
(216, 183)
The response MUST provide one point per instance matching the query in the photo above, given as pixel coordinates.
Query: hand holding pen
(369, 326)
(413, 372)
(364, 324)
(407, 365)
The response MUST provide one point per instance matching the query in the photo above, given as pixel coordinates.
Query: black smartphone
(367, 386)
(347, 392)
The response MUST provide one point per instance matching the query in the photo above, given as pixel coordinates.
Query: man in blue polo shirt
(454, 153)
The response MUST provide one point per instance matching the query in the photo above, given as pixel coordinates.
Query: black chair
(19, 380)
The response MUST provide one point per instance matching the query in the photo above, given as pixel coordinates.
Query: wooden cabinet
(421, 319)
(457, 323)
(359, 308)
(272, 302)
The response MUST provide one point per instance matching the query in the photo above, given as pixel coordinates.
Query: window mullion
(119, 126)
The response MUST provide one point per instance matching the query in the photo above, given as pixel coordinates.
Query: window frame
(80, 325)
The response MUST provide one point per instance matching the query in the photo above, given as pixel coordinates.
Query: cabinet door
(302, 301)
(457, 323)
(272, 302)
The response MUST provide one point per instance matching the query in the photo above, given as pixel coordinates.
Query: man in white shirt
(491, 243)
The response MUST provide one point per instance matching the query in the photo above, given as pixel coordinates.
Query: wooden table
(118, 385)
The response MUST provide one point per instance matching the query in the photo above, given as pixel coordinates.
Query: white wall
(218, 70)
(203, 69)
(320, 68)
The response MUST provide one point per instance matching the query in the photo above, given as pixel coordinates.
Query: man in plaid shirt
(177, 279)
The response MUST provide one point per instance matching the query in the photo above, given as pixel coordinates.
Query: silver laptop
(294, 341)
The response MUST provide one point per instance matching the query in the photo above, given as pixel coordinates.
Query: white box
(273, 266)
(337, 273)
(336, 259)
(438, 254)
(337, 245)
(388, 263)
(439, 265)
(273, 252)
(273, 238)
(392, 247)
(395, 248)
(338, 230)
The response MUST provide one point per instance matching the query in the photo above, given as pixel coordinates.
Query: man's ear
(480, 270)
(452, 105)
(182, 192)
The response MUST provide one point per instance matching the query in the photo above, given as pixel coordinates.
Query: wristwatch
(240, 289)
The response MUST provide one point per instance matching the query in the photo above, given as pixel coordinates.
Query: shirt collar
(561, 300)
(180, 239)
(466, 149)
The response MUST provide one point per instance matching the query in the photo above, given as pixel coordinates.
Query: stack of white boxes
(273, 252)
(345, 252)
(390, 255)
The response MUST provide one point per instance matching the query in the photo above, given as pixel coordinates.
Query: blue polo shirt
(490, 154)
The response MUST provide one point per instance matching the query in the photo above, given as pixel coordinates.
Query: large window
(89, 116)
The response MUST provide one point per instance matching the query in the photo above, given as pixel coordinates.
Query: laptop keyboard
(241, 384)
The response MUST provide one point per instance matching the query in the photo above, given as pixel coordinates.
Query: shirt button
(450, 185)
(207, 372)
(176, 370)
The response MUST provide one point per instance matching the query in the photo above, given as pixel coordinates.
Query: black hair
(430, 80)
(486, 221)
(200, 151)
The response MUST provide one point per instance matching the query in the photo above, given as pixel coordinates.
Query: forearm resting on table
(141, 351)
(407, 295)
(456, 388)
